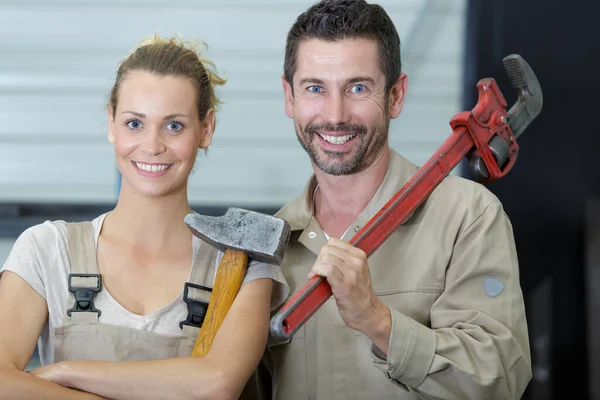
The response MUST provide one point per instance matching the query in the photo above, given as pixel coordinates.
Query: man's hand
(347, 271)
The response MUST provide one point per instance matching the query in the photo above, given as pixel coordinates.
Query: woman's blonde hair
(173, 56)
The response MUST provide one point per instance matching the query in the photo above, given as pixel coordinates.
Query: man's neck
(339, 200)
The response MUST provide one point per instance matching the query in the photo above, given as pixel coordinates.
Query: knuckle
(352, 277)
(327, 268)
(356, 262)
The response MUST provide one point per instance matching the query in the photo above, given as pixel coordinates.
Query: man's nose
(336, 109)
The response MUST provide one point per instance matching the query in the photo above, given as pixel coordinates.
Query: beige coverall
(450, 276)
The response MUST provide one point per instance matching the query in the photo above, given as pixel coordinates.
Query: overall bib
(82, 335)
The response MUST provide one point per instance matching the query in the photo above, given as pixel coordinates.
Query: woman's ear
(208, 127)
(111, 123)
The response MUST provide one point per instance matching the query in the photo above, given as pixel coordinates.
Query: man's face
(339, 104)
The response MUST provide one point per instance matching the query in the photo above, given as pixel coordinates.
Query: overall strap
(196, 292)
(84, 279)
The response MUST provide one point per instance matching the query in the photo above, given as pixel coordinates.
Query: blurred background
(58, 60)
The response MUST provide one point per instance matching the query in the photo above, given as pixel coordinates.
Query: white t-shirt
(40, 256)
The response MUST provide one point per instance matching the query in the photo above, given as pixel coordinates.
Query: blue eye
(358, 88)
(315, 89)
(134, 124)
(175, 126)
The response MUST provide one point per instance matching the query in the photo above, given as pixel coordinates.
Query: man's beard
(369, 145)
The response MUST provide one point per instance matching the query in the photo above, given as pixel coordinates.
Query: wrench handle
(308, 299)
(471, 135)
(298, 309)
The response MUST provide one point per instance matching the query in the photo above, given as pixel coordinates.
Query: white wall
(57, 64)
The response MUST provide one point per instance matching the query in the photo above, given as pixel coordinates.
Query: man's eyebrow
(361, 79)
(311, 80)
(348, 82)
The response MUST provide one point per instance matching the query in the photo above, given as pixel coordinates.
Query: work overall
(82, 335)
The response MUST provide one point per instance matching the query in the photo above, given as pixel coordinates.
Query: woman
(134, 338)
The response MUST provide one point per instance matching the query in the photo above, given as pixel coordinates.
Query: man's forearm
(16, 384)
(176, 378)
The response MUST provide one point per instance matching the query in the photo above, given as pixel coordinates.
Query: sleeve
(257, 270)
(478, 344)
(26, 257)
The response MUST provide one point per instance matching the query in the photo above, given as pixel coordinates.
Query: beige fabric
(83, 336)
(81, 247)
(449, 339)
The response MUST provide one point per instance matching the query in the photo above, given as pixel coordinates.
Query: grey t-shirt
(40, 256)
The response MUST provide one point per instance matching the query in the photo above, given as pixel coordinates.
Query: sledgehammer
(240, 234)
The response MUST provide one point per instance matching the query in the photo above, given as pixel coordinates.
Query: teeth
(152, 168)
(337, 139)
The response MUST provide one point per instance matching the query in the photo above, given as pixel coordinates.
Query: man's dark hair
(333, 20)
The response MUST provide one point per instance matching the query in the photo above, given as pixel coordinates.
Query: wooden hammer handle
(230, 275)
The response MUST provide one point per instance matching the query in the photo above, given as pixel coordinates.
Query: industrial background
(58, 59)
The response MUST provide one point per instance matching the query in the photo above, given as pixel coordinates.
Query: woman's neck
(149, 222)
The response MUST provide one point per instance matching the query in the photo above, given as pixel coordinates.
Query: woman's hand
(52, 372)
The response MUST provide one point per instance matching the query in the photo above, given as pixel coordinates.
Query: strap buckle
(84, 296)
(196, 309)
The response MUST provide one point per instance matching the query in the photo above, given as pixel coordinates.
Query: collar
(300, 211)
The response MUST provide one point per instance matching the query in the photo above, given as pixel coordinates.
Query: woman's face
(157, 132)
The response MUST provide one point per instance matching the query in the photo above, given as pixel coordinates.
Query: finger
(330, 272)
(330, 255)
(332, 259)
(346, 259)
(311, 275)
(347, 247)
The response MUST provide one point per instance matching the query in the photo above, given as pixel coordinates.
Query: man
(437, 311)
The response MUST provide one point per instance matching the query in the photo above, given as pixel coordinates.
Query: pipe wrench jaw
(530, 99)
(496, 154)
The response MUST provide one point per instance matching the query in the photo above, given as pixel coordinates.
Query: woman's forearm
(221, 374)
(175, 378)
(16, 384)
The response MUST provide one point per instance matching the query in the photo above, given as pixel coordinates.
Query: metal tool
(240, 234)
(486, 135)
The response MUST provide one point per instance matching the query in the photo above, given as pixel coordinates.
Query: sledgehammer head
(263, 237)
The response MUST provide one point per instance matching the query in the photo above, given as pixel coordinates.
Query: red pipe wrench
(486, 135)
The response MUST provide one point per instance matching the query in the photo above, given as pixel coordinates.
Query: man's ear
(288, 93)
(397, 94)
(208, 127)
(111, 123)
